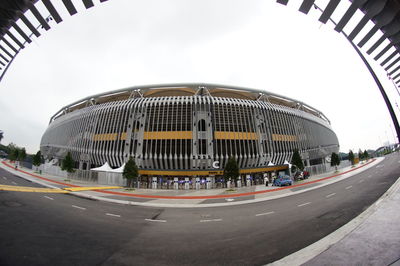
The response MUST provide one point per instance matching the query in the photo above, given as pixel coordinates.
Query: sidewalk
(376, 241)
(187, 198)
(372, 238)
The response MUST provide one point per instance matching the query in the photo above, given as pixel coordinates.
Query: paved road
(59, 229)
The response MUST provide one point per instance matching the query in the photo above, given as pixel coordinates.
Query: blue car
(283, 181)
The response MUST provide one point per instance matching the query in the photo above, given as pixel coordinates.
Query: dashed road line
(362, 180)
(5, 178)
(349, 187)
(264, 213)
(229, 200)
(114, 215)
(48, 198)
(210, 220)
(370, 176)
(158, 221)
(304, 204)
(14, 183)
(81, 208)
(330, 195)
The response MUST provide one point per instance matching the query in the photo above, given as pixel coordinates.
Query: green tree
(1, 135)
(68, 163)
(37, 159)
(366, 155)
(21, 154)
(351, 157)
(231, 170)
(13, 152)
(335, 160)
(131, 171)
(360, 155)
(297, 162)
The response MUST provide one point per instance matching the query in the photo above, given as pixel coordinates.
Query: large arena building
(187, 130)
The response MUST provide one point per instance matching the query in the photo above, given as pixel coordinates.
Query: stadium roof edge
(143, 89)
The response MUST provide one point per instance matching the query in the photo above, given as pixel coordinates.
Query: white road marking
(330, 195)
(48, 198)
(229, 199)
(5, 178)
(265, 213)
(210, 220)
(114, 215)
(81, 208)
(159, 221)
(349, 187)
(304, 204)
(369, 175)
(14, 183)
(362, 180)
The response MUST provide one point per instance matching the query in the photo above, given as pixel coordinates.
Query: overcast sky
(257, 44)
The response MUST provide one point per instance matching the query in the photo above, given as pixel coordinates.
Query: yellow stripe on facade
(235, 135)
(279, 137)
(105, 137)
(167, 135)
(186, 135)
(123, 136)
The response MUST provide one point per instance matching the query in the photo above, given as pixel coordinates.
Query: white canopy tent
(118, 170)
(104, 168)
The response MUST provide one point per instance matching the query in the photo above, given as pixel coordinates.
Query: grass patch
(67, 180)
(129, 189)
(230, 190)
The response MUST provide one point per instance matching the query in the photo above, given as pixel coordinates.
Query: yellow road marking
(31, 189)
(87, 188)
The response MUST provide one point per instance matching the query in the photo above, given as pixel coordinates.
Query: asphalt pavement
(62, 229)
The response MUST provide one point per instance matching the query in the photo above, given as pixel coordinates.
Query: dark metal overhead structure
(13, 14)
(385, 14)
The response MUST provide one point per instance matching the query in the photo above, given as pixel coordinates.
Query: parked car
(283, 181)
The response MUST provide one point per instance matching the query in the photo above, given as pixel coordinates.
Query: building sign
(215, 164)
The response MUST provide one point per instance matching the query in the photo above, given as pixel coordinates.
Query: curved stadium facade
(189, 130)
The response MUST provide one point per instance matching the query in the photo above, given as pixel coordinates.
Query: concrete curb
(191, 205)
(302, 256)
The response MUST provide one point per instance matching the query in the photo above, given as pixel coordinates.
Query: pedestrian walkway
(376, 241)
(185, 198)
(372, 238)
